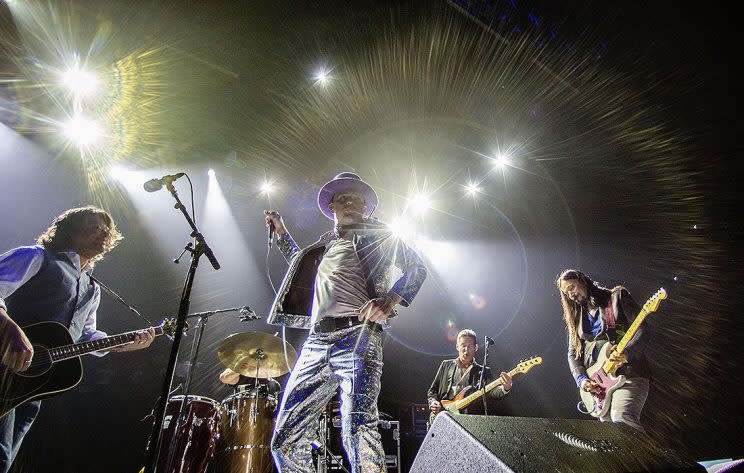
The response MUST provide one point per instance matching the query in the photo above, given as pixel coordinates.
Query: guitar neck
(610, 366)
(632, 330)
(66, 352)
(466, 401)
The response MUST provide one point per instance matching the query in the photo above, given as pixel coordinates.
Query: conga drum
(196, 437)
(247, 422)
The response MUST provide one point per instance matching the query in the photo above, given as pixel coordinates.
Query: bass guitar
(56, 366)
(468, 395)
(603, 371)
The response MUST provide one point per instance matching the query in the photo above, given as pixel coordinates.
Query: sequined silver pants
(352, 359)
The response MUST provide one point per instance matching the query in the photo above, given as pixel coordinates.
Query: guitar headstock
(652, 304)
(525, 365)
(169, 327)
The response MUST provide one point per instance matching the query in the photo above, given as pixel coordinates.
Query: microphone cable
(273, 288)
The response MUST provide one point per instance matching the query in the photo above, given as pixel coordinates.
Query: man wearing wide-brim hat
(341, 289)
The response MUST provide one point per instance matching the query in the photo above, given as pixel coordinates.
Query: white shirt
(19, 265)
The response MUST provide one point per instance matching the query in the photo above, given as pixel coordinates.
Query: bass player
(463, 372)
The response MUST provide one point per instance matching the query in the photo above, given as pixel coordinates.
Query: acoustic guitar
(56, 366)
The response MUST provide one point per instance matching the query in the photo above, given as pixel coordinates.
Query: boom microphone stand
(481, 385)
(201, 248)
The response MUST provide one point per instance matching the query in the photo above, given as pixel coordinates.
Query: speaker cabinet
(523, 444)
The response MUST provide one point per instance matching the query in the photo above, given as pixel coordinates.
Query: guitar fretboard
(464, 402)
(77, 349)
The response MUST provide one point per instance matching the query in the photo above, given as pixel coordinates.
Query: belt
(331, 324)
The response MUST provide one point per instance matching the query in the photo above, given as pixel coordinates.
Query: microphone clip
(246, 314)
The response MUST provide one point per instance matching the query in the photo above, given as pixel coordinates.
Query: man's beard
(581, 301)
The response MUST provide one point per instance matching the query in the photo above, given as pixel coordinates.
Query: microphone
(247, 314)
(271, 233)
(154, 185)
(489, 340)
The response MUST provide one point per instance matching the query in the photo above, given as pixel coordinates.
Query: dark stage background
(619, 123)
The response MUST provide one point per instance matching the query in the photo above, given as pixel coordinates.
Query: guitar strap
(458, 385)
(609, 313)
(118, 298)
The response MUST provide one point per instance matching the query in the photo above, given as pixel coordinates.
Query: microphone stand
(481, 384)
(201, 248)
(246, 315)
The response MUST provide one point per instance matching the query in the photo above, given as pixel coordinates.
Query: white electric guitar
(603, 370)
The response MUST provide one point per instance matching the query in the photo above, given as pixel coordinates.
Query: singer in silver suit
(341, 289)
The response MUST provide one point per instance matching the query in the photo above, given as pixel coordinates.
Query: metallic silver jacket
(379, 252)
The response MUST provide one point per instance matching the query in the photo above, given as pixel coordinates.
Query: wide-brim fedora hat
(346, 181)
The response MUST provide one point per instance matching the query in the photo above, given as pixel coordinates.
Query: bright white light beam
(419, 203)
(80, 82)
(472, 189)
(501, 160)
(267, 187)
(322, 77)
(82, 131)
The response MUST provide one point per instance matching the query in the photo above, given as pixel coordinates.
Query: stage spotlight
(267, 187)
(501, 160)
(82, 131)
(211, 173)
(322, 77)
(80, 82)
(419, 203)
(472, 189)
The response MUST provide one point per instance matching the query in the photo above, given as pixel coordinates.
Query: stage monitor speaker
(522, 444)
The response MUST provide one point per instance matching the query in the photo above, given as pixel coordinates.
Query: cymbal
(256, 354)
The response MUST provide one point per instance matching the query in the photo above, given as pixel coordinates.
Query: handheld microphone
(489, 340)
(271, 234)
(154, 185)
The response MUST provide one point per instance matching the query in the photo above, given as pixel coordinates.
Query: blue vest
(56, 293)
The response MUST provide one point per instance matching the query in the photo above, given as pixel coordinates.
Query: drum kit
(232, 436)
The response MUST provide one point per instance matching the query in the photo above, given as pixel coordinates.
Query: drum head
(248, 394)
(193, 398)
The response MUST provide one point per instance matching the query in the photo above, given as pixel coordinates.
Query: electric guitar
(603, 370)
(56, 366)
(466, 397)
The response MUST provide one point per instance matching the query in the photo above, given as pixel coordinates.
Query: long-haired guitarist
(595, 316)
(50, 282)
(463, 372)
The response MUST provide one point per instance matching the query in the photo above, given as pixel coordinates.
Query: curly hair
(61, 233)
(598, 296)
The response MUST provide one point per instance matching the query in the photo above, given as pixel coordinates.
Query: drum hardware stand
(201, 248)
(326, 456)
(247, 314)
(258, 355)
